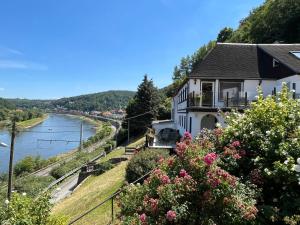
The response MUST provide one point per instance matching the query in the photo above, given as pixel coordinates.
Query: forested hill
(275, 20)
(101, 101)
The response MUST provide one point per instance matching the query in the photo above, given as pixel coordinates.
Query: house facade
(227, 78)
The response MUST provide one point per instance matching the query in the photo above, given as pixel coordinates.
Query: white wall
(250, 86)
(268, 86)
(159, 125)
(194, 86)
(196, 121)
(291, 79)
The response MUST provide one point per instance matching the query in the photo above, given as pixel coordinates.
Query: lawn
(114, 154)
(32, 122)
(138, 142)
(94, 190)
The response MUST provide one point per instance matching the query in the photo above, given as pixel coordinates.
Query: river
(55, 127)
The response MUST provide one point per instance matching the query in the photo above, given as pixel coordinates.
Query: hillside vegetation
(101, 101)
(275, 20)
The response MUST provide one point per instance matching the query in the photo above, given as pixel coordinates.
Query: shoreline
(95, 122)
(32, 122)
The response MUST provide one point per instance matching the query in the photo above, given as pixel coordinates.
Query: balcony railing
(212, 100)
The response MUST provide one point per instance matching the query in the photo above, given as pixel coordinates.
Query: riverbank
(32, 122)
(95, 122)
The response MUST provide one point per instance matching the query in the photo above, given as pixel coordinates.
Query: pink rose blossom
(170, 162)
(181, 148)
(161, 160)
(171, 215)
(165, 179)
(237, 156)
(218, 132)
(187, 136)
(236, 144)
(183, 173)
(143, 218)
(210, 158)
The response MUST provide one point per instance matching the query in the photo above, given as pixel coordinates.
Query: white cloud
(15, 64)
(9, 51)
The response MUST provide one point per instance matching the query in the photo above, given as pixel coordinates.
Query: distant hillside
(101, 101)
(29, 104)
(5, 104)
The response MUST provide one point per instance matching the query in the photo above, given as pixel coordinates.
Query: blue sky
(58, 48)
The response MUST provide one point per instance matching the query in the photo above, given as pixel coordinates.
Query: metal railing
(212, 100)
(109, 199)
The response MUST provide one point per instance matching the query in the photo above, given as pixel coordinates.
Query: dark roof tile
(241, 61)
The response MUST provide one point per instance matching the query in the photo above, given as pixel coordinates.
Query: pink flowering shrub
(190, 188)
(210, 158)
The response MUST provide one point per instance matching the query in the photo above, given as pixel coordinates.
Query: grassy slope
(114, 154)
(138, 142)
(31, 123)
(91, 192)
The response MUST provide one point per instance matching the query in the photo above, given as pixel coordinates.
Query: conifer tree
(146, 100)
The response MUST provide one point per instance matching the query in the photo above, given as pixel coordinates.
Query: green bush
(265, 151)
(102, 167)
(80, 159)
(23, 210)
(66, 167)
(142, 163)
(33, 185)
(104, 132)
(112, 143)
(30, 164)
(107, 148)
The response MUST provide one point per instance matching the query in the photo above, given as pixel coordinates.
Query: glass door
(207, 93)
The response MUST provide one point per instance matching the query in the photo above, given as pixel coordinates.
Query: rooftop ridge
(252, 44)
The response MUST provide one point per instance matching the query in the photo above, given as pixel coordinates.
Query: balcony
(212, 100)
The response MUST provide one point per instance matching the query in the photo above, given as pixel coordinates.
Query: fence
(72, 172)
(109, 199)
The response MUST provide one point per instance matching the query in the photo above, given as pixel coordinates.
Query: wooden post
(246, 102)
(11, 159)
(112, 209)
(227, 97)
(128, 134)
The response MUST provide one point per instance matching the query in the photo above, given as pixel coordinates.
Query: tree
(224, 34)
(176, 74)
(145, 101)
(275, 20)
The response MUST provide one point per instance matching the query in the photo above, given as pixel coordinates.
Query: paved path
(64, 189)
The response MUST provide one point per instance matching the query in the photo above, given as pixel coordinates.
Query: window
(275, 63)
(233, 88)
(296, 54)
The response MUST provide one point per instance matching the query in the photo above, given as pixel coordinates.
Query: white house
(228, 78)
